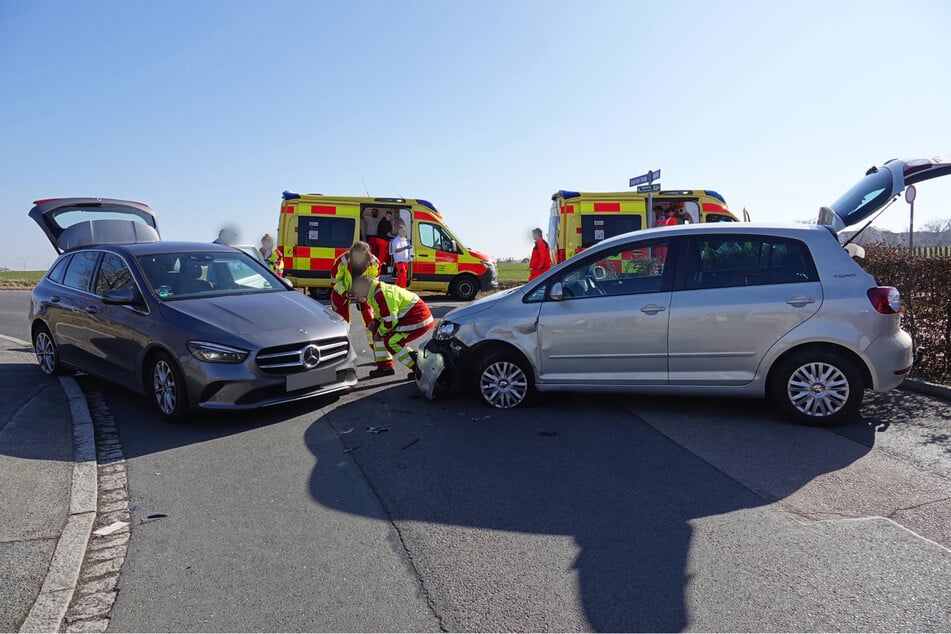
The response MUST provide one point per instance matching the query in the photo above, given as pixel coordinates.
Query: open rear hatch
(72, 223)
(879, 187)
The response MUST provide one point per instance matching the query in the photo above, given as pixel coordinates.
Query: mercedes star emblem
(310, 356)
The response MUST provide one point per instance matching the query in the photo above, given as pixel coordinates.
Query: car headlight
(216, 352)
(445, 331)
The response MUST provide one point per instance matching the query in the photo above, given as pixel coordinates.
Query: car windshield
(867, 196)
(188, 275)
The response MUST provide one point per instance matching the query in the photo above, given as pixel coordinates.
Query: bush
(925, 285)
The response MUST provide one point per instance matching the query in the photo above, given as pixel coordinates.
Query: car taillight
(885, 299)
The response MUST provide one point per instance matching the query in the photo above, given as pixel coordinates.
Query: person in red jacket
(541, 256)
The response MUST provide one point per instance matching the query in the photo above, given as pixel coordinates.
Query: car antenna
(365, 188)
(874, 218)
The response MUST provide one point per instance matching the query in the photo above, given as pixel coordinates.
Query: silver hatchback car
(721, 310)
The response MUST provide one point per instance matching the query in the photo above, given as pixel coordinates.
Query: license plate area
(311, 378)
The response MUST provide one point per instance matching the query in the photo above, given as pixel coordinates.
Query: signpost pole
(650, 199)
(910, 194)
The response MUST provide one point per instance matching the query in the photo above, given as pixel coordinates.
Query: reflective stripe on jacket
(397, 308)
(342, 276)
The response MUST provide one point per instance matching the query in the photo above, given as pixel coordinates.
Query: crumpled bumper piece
(431, 366)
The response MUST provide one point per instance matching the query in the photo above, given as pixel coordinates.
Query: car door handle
(92, 310)
(55, 299)
(652, 309)
(800, 300)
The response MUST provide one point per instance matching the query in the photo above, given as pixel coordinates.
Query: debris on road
(410, 444)
(478, 418)
(379, 429)
(109, 530)
(351, 449)
(151, 517)
(548, 433)
(347, 431)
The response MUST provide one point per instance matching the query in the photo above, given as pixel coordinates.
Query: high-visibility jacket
(274, 261)
(397, 309)
(342, 276)
(666, 220)
(541, 259)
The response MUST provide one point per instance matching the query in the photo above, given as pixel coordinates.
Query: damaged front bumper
(437, 363)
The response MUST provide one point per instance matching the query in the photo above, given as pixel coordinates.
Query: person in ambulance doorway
(271, 255)
(401, 317)
(663, 217)
(384, 233)
(402, 252)
(541, 256)
(356, 262)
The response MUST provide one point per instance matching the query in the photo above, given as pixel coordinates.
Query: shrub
(925, 285)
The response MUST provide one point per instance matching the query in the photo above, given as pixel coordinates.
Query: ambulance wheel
(504, 380)
(319, 293)
(464, 288)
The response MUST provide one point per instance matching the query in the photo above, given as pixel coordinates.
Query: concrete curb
(935, 390)
(50, 607)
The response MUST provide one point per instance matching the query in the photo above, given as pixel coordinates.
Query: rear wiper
(874, 218)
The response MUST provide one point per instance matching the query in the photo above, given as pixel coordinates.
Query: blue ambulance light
(290, 195)
(710, 192)
(426, 203)
(564, 193)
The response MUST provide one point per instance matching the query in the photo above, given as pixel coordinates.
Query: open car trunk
(878, 188)
(73, 223)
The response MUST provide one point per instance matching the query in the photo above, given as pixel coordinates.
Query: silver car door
(738, 295)
(610, 326)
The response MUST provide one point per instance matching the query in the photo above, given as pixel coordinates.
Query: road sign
(910, 194)
(644, 178)
(643, 189)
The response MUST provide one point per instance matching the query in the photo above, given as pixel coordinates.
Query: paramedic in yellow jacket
(355, 262)
(271, 255)
(401, 317)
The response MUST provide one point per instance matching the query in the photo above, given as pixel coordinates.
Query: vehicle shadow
(575, 465)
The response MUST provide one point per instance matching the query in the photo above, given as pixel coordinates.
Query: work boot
(381, 372)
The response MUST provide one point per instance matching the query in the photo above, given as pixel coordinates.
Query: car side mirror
(286, 282)
(121, 297)
(557, 293)
(455, 249)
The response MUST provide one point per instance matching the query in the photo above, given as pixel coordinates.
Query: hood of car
(879, 187)
(73, 223)
(479, 305)
(262, 312)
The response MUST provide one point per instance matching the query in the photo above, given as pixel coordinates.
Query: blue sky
(208, 110)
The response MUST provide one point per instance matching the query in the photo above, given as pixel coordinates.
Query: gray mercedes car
(734, 309)
(190, 325)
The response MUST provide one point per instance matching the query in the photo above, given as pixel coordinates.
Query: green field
(20, 279)
(512, 273)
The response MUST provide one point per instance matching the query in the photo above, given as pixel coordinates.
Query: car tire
(504, 380)
(464, 288)
(166, 387)
(318, 293)
(47, 353)
(819, 388)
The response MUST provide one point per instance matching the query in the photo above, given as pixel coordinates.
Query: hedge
(925, 286)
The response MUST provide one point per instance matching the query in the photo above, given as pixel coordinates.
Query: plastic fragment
(410, 444)
(378, 429)
(109, 530)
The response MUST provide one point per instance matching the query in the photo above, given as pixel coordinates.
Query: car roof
(163, 247)
(707, 228)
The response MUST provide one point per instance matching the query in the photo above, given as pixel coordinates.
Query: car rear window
(81, 269)
(59, 269)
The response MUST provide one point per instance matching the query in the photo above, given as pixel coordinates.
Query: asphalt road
(580, 513)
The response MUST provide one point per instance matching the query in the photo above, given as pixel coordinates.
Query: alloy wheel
(45, 351)
(503, 384)
(818, 389)
(164, 387)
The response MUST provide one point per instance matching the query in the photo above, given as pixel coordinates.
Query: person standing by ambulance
(541, 256)
(401, 317)
(271, 255)
(402, 252)
(357, 262)
(384, 233)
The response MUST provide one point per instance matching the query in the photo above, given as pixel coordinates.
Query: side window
(537, 295)
(724, 261)
(80, 270)
(434, 237)
(325, 231)
(113, 275)
(630, 269)
(59, 270)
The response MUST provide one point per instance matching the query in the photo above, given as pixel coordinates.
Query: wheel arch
(816, 347)
(483, 349)
(147, 359)
(465, 275)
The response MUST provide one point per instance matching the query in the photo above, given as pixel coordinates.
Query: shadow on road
(576, 465)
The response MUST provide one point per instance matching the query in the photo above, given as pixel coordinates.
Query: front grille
(289, 358)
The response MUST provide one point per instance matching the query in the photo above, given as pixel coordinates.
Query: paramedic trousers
(402, 274)
(341, 306)
(416, 323)
(381, 249)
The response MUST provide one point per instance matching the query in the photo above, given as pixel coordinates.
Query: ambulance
(314, 229)
(580, 220)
